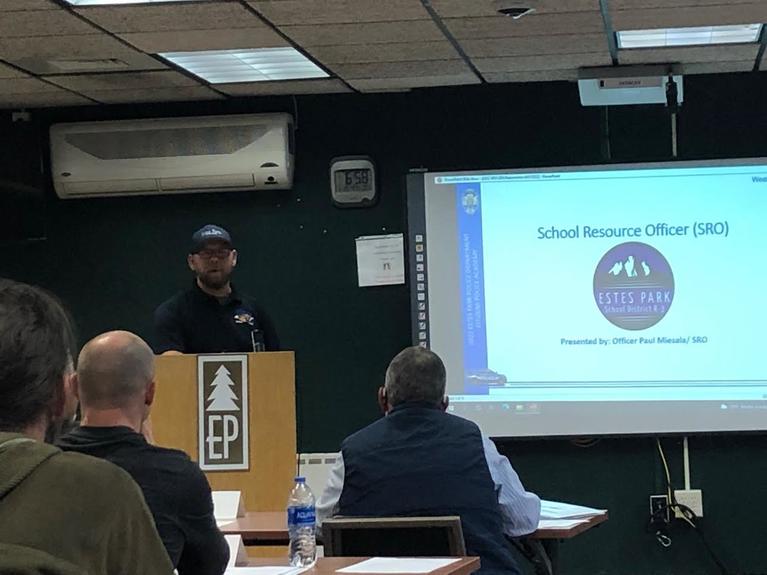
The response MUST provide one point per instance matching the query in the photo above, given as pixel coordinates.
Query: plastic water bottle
(302, 525)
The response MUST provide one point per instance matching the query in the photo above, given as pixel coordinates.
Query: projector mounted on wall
(620, 86)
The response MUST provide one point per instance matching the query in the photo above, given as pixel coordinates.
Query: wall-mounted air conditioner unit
(172, 155)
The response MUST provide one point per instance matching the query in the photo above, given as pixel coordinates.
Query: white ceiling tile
(123, 81)
(34, 54)
(27, 5)
(674, 17)
(374, 33)
(532, 76)
(399, 84)
(42, 100)
(717, 67)
(180, 94)
(402, 69)
(170, 16)
(687, 55)
(538, 63)
(388, 90)
(10, 72)
(377, 45)
(399, 52)
(285, 12)
(193, 40)
(533, 25)
(43, 23)
(641, 4)
(468, 9)
(25, 86)
(535, 45)
(293, 87)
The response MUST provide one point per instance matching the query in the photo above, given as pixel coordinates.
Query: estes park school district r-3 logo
(633, 286)
(470, 202)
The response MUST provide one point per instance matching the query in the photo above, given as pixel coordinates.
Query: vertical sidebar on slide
(416, 225)
(470, 257)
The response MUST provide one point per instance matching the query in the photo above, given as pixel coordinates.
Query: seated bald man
(115, 384)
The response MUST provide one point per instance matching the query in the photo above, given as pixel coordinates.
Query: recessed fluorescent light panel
(118, 2)
(699, 36)
(257, 65)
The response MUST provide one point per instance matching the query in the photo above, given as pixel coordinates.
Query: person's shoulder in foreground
(116, 386)
(75, 507)
(67, 507)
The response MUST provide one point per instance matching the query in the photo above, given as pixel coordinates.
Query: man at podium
(212, 316)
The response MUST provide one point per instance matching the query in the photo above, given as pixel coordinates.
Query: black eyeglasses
(221, 253)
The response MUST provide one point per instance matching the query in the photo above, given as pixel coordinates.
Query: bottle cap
(300, 479)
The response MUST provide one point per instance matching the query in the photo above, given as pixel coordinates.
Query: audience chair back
(393, 537)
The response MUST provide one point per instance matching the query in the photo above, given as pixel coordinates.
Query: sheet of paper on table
(559, 523)
(397, 565)
(266, 570)
(559, 510)
(227, 506)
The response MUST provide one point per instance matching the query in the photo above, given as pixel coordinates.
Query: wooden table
(270, 528)
(570, 532)
(549, 538)
(260, 528)
(327, 565)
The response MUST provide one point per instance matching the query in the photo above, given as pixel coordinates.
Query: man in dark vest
(420, 461)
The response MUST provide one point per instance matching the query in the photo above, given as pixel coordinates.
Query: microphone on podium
(257, 340)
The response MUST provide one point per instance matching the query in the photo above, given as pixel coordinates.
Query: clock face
(353, 181)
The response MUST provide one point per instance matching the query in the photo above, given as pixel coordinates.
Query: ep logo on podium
(222, 383)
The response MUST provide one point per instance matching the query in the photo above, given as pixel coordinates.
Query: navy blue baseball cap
(208, 233)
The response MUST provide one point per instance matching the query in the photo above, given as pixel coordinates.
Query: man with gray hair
(419, 460)
(115, 383)
(59, 512)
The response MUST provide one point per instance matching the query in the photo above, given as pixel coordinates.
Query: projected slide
(608, 300)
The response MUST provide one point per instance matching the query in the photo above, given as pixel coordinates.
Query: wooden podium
(271, 427)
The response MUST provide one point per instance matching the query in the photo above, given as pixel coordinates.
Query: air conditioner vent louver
(172, 155)
(166, 143)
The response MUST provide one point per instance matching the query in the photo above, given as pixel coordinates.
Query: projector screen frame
(418, 259)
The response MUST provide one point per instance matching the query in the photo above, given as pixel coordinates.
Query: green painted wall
(114, 260)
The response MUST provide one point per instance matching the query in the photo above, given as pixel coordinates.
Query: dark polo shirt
(195, 322)
(176, 492)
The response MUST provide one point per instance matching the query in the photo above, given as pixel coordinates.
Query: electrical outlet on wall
(659, 511)
(692, 498)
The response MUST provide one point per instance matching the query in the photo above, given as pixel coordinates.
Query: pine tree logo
(222, 397)
(223, 411)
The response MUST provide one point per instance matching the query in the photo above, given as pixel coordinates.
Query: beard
(214, 280)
